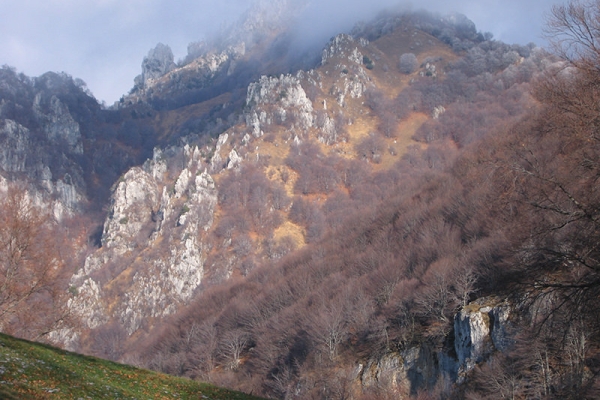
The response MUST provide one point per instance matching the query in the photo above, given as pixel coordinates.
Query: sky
(103, 42)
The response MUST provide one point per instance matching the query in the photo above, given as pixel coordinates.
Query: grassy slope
(35, 371)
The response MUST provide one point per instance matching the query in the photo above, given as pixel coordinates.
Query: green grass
(35, 371)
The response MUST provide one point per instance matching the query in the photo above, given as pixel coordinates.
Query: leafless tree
(438, 299)
(330, 327)
(109, 341)
(496, 379)
(408, 63)
(573, 32)
(33, 275)
(465, 279)
(204, 340)
(232, 345)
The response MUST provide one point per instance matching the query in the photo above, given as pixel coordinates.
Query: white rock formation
(403, 372)
(285, 92)
(479, 329)
(234, 159)
(343, 46)
(153, 237)
(157, 63)
(135, 197)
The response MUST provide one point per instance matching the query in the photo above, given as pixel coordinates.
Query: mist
(104, 42)
(511, 21)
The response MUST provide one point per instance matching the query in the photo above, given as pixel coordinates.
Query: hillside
(410, 210)
(196, 215)
(34, 371)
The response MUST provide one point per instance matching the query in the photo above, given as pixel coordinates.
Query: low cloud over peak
(104, 41)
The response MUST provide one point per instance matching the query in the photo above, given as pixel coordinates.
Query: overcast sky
(103, 42)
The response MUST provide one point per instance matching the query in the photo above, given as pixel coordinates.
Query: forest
(392, 256)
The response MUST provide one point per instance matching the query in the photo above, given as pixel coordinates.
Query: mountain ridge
(360, 228)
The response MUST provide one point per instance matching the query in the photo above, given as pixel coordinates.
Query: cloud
(104, 41)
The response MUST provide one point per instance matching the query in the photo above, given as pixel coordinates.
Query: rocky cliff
(152, 245)
(158, 63)
(481, 329)
(33, 120)
(225, 63)
(159, 231)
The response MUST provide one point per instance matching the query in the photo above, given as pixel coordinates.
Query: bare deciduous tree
(329, 326)
(408, 63)
(204, 341)
(371, 148)
(232, 344)
(33, 290)
(573, 32)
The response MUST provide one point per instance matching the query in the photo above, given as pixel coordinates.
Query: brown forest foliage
(393, 255)
(35, 265)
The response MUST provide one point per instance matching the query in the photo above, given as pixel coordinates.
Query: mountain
(409, 211)
(193, 216)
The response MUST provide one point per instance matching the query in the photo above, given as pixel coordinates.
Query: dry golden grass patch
(275, 173)
(360, 129)
(407, 128)
(277, 150)
(122, 281)
(391, 84)
(288, 228)
(399, 144)
(124, 277)
(388, 50)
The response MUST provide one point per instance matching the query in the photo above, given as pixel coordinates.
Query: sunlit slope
(31, 370)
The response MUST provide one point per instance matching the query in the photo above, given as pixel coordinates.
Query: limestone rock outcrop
(480, 329)
(284, 93)
(52, 174)
(154, 235)
(403, 372)
(58, 124)
(157, 63)
(14, 153)
(343, 46)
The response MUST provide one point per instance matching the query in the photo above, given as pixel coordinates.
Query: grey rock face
(284, 93)
(480, 329)
(133, 201)
(157, 63)
(343, 46)
(403, 372)
(19, 154)
(154, 233)
(58, 124)
(15, 151)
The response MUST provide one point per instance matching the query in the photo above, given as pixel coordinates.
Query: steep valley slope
(194, 216)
